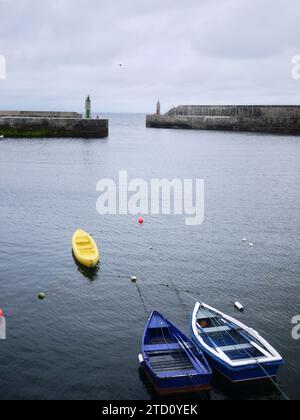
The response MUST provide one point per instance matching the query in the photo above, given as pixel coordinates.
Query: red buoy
(1, 313)
(141, 220)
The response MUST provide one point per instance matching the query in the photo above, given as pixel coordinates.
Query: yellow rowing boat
(85, 249)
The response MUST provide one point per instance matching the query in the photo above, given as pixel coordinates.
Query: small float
(2, 325)
(85, 249)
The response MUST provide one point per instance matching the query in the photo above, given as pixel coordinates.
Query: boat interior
(160, 336)
(165, 353)
(170, 361)
(84, 245)
(235, 342)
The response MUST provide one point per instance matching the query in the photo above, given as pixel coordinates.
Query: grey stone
(264, 119)
(40, 114)
(35, 127)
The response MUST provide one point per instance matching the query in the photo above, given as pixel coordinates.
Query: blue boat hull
(249, 373)
(172, 362)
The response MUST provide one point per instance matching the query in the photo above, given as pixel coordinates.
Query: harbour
(65, 339)
(149, 202)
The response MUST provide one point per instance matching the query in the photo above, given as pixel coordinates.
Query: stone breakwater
(260, 119)
(26, 124)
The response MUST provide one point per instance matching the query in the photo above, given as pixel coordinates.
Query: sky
(128, 54)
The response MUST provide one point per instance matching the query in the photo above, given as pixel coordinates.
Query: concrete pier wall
(264, 119)
(39, 114)
(34, 127)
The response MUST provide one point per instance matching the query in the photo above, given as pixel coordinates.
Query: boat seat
(161, 347)
(85, 251)
(205, 315)
(162, 340)
(217, 329)
(237, 347)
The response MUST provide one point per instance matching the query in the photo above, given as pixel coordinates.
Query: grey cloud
(212, 51)
(251, 29)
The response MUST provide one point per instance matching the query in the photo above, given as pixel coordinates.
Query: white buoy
(239, 306)
(2, 326)
(133, 279)
(244, 239)
(251, 244)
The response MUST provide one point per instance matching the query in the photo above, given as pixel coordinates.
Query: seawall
(263, 119)
(53, 126)
(39, 114)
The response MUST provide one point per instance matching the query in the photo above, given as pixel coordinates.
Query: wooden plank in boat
(237, 347)
(217, 329)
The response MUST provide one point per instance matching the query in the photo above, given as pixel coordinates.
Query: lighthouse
(158, 111)
(88, 108)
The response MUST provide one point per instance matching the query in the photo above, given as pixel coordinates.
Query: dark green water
(82, 342)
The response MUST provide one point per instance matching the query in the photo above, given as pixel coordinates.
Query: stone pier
(29, 124)
(260, 119)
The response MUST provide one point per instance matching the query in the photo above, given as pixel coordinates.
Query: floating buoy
(141, 220)
(2, 326)
(239, 306)
(244, 239)
(251, 244)
(42, 296)
(133, 279)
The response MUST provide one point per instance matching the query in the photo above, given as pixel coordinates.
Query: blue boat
(172, 362)
(234, 350)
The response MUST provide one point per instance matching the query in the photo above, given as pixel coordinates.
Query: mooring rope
(143, 299)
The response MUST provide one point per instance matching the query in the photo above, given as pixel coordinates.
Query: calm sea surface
(82, 342)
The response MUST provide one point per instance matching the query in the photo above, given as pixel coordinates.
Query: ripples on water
(82, 342)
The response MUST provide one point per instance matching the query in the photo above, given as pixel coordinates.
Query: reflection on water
(154, 395)
(264, 389)
(90, 273)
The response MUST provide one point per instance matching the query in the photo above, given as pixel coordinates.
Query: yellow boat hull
(85, 249)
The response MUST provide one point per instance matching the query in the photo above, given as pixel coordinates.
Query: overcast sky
(178, 51)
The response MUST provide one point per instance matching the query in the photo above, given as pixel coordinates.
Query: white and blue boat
(172, 362)
(234, 350)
